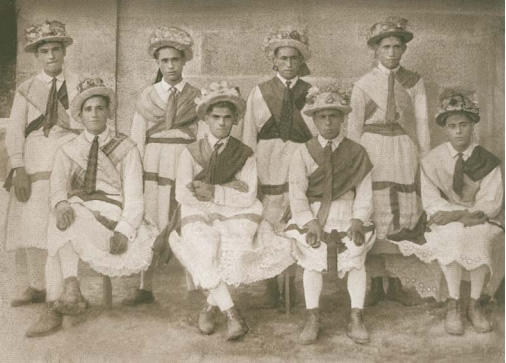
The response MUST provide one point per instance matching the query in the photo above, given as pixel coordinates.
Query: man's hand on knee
(22, 185)
(118, 243)
(314, 233)
(65, 215)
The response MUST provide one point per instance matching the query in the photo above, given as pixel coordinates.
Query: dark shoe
(356, 328)
(453, 321)
(477, 317)
(272, 294)
(397, 294)
(71, 301)
(139, 297)
(49, 322)
(309, 333)
(376, 293)
(236, 326)
(207, 319)
(29, 296)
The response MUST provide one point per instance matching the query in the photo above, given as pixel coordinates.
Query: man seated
(462, 192)
(98, 207)
(331, 204)
(222, 241)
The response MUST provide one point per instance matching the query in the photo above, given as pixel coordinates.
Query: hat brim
(310, 111)
(188, 54)
(237, 101)
(77, 102)
(32, 47)
(278, 43)
(404, 34)
(441, 117)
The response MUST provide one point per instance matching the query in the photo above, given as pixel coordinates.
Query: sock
(54, 278)
(453, 276)
(477, 279)
(357, 282)
(222, 297)
(313, 283)
(147, 278)
(69, 260)
(36, 262)
(211, 301)
(190, 285)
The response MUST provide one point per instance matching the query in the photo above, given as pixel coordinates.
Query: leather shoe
(50, 321)
(396, 293)
(236, 326)
(356, 328)
(453, 321)
(309, 333)
(29, 296)
(140, 296)
(71, 301)
(477, 317)
(207, 319)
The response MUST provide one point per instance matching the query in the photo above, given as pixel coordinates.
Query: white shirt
(335, 141)
(213, 141)
(466, 154)
(386, 70)
(163, 88)
(283, 80)
(103, 138)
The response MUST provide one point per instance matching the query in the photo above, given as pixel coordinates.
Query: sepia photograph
(252, 181)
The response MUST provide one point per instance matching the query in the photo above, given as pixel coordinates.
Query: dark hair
(298, 51)
(48, 41)
(106, 98)
(225, 104)
(157, 52)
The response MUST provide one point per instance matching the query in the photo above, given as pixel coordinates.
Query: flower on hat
(330, 96)
(47, 31)
(88, 83)
(454, 100)
(286, 37)
(216, 89)
(173, 37)
(391, 26)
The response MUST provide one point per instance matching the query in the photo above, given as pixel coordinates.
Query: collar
(335, 142)
(48, 79)
(179, 86)
(386, 70)
(293, 80)
(466, 154)
(102, 138)
(213, 141)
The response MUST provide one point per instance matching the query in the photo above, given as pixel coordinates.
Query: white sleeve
(298, 184)
(133, 198)
(184, 176)
(489, 196)
(138, 132)
(58, 181)
(257, 114)
(431, 197)
(422, 119)
(15, 137)
(356, 117)
(363, 204)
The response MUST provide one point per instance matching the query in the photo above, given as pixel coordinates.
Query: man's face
(94, 114)
(328, 122)
(171, 63)
(51, 56)
(459, 130)
(389, 51)
(288, 61)
(220, 121)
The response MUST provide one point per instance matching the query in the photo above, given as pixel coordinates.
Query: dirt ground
(166, 330)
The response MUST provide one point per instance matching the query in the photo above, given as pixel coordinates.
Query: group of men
(294, 188)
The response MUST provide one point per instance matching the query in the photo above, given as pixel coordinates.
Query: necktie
(51, 115)
(90, 179)
(212, 163)
(458, 176)
(285, 124)
(391, 111)
(170, 113)
(323, 212)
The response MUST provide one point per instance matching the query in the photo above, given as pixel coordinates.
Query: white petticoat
(90, 240)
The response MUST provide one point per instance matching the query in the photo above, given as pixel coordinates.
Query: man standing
(389, 119)
(462, 193)
(274, 127)
(164, 123)
(331, 204)
(39, 124)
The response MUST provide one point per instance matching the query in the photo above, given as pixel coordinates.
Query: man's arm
(138, 132)
(422, 119)
(133, 199)
(356, 118)
(257, 114)
(490, 195)
(184, 179)
(298, 184)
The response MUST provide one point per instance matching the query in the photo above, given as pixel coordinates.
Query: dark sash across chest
(350, 165)
(229, 162)
(272, 92)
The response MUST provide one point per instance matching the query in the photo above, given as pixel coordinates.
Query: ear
(64, 50)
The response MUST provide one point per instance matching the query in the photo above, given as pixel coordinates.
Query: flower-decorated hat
(391, 26)
(287, 37)
(454, 101)
(87, 88)
(327, 97)
(218, 92)
(171, 37)
(48, 31)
